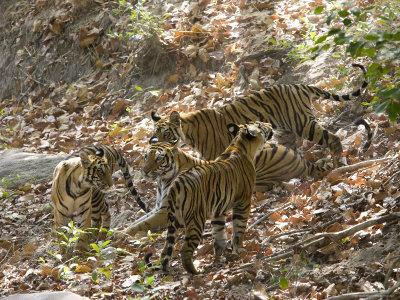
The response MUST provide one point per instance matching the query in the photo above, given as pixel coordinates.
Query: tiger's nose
(153, 140)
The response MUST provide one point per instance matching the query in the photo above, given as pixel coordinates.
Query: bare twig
(368, 295)
(363, 164)
(322, 239)
(266, 216)
(390, 270)
(391, 177)
(312, 229)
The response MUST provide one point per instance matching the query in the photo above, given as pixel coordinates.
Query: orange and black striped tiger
(286, 107)
(164, 162)
(78, 187)
(211, 190)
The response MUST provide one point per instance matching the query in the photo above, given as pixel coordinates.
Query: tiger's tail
(361, 121)
(129, 183)
(345, 97)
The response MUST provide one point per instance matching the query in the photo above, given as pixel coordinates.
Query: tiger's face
(96, 171)
(167, 130)
(159, 160)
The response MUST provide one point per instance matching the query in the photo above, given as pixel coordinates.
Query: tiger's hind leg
(219, 235)
(314, 132)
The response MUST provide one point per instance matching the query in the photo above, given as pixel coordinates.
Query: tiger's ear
(175, 118)
(233, 129)
(250, 134)
(155, 116)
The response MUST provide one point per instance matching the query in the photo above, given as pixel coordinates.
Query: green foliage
(99, 261)
(371, 33)
(283, 283)
(141, 23)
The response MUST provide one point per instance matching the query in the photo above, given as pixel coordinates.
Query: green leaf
(325, 47)
(371, 37)
(137, 287)
(355, 48)
(343, 13)
(346, 22)
(283, 283)
(318, 10)
(95, 277)
(393, 110)
(370, 52)
(105, 271)
(333, 31)
(105, 243)
(381, 107)
(314, 49)
(396, 36)
(340, 39)
(321, 39)
(149, 280)
(95, 247)
(138, 88)
(393, 93)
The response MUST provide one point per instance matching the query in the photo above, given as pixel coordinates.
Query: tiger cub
(78, 185)
(210, 190)
(287, 107)
(164, 161)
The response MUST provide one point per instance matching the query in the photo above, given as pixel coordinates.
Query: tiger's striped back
(287, 107)
(210, 190)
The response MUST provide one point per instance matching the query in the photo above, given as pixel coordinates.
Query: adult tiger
(164, 161)
(210, 190)
(78, 184)
(286, 107)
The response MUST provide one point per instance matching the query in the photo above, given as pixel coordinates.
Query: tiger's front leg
(193, 234)
(84, 222)
(101, 217)
(241, 211)
(219, 235)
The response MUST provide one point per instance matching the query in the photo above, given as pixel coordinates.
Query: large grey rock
(18, 167)
(46, 296)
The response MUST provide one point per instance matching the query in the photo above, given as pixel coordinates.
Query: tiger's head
(159, 160)
(96, 170)
(167, 129)
(250, 137)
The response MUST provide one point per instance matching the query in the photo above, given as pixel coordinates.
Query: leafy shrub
(371, 33)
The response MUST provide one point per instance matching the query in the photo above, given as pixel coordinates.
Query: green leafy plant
(372, 34)
(141, 22)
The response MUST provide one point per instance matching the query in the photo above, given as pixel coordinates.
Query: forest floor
(79, 72)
